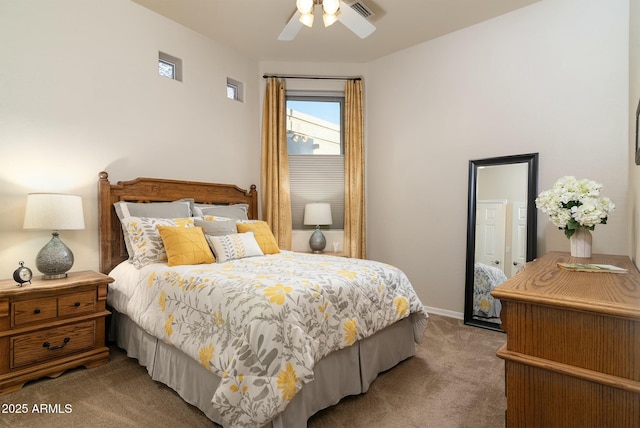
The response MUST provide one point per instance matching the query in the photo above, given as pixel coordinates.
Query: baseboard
(444, 312)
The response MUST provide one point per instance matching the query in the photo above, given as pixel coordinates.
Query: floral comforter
(485, 279)
(262, 323)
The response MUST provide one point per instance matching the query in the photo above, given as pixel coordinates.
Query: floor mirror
(501, 230)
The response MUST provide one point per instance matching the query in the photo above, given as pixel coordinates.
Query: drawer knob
(53, 348)
(36, 311)
(76, 304)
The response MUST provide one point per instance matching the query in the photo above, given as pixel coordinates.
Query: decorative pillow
(124, 209)
(262, 233)
(217, 228)
(185, 245)
(235, 246)
(146, 243)
(236, 211)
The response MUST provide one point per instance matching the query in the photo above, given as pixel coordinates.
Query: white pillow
(146, 242)
(234, 246)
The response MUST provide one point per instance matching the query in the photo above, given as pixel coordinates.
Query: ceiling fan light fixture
(329, 19)
(305, 6)
(330, 7)
(307, 19)
(355, 19)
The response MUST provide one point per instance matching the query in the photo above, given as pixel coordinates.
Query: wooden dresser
(50, 326)
(572, 356)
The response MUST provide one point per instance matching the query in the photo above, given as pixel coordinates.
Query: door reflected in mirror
(501, 230)
(501, 217)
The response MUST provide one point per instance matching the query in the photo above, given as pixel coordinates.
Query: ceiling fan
(353, 16)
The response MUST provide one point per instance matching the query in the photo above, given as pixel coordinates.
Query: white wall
(549, 78)
(80, 93)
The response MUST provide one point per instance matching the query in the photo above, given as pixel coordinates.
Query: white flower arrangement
(572, 204)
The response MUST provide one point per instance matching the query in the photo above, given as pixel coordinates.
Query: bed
(267, 372)
(485, 279)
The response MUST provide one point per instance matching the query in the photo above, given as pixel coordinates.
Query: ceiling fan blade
(291, 29)
(354, 21)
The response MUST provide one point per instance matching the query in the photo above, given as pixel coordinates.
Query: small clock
(22, 275)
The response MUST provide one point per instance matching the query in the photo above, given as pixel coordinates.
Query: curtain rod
(312, 77)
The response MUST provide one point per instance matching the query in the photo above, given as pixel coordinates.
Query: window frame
(321, 157)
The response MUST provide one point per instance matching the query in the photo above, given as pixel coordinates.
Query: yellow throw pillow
(262, 233)
(185, 245)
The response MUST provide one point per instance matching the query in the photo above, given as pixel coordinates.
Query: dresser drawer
(28, 311)
(52, 343)
(77, 303)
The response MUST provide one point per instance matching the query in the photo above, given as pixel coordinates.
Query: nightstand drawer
(28, 311)
(77, 303)
(52, 343)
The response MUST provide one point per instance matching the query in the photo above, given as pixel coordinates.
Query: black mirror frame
(638, 134)
(531, 159)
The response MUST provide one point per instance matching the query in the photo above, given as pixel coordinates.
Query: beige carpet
(455, 380)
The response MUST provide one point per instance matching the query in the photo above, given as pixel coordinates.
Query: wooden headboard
(112, 248)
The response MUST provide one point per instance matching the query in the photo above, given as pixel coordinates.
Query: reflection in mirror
(501, 230)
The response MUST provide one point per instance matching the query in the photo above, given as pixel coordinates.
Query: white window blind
(317, 178)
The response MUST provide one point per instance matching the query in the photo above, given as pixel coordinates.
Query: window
(314, 125)
(316, 155)
(169, 66)
(167, 69)
(234, 90)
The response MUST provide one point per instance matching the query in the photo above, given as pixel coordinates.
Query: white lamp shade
(317, 214)
(53, 211)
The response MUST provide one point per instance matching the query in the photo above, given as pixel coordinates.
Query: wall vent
(361, 8)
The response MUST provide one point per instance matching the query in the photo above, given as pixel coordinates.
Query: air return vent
(361, 8)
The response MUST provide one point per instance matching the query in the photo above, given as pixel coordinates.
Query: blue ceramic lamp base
(54, 259)
(317, 242)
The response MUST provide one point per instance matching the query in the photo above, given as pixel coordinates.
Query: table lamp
(317, 214)
(54, 211)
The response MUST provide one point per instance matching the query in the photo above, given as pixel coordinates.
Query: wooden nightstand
(51, 326)
(326, 253)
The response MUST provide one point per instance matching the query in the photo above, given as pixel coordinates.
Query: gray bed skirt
(335, 376)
